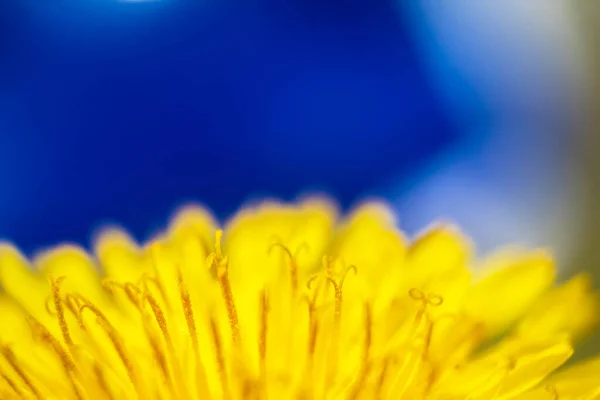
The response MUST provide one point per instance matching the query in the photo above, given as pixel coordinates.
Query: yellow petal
(120, 257)
(20, 282)
(191, 239)
(506, 370)
(533, 363)
(13, 316)
(503, 296)
(76, 266)
(370, 241)
(579, 381)
(570, 308)
(304, 231)
(438, 263)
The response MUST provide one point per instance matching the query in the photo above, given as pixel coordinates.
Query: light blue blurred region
(515, 179)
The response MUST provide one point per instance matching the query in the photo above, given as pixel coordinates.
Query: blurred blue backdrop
(118, 111)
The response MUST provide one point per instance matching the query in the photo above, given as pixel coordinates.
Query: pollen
(288, 301)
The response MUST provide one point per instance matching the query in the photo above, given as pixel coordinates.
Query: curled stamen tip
(303, 246)
(310, 281)
(280, 245)
(430, 299)
(56, 282)
(274, 245)
(348, 269)
(416, 294)
(47, 304)
(435, 300)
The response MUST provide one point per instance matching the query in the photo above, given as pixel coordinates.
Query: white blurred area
(513, 76)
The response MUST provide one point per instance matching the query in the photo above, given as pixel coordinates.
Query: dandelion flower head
(288, 302)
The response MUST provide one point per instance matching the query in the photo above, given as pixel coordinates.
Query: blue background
(121, 111)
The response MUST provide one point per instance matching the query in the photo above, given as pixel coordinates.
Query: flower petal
(500, 298)
(570, 308)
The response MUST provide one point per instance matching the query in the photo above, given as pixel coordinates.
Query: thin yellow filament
(382, 377)
(130, 293)
(338, 286)
(263, 331)
(12, 385)
(161, 360)
(64, 357)
(117, 343)
(146, 278)
(366, 365)
(58, 307)
(159, 316)
(101, 380)
(188, 311)
(221, 264)
(12, 361)
(293, 263)
(220, 358)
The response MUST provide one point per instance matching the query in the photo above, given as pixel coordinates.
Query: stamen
(129, 292)
(430, 299)
(73, 304)
(382, 377)
(293, 265)
(159, 316)
(58, 306)
(188, 311)
(132, 291)
(12, 385)
(221, 263)
(310, 280)
(48, 305)
(262, 343)
(146, 278)
(101, 380)
(12, 361)
(338, 286)
(313, 325)
(220, 358)
(345, 273)
(65, 359)
(337, 315)
(117, 343)
(364, 370)
(161, 359)
(426, 300)
(44, 335)
(412, 363)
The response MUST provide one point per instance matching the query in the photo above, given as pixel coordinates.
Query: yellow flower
(288, 304)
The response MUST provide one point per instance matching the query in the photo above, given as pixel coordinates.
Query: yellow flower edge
(287, 302)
